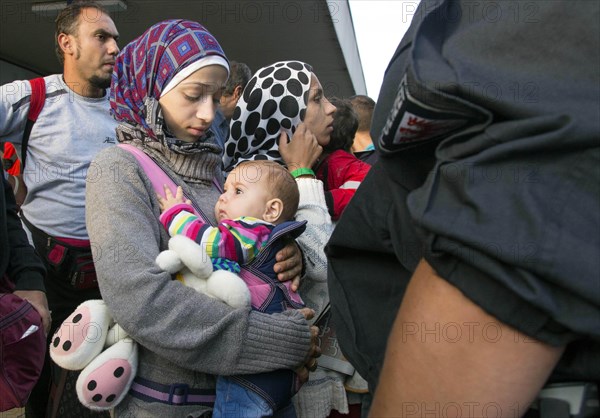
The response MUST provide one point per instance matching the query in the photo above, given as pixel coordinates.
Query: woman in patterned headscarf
(285, 100)
(164, 93)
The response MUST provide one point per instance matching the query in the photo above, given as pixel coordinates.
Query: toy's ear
(74, 349)
(192, 255)
(273, 210)
(170, 261)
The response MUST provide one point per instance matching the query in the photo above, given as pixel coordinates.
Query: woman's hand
(302, 151)
(310, 362)
(38, 300)
(289, 264)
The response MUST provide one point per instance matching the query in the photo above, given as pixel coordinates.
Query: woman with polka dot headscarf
(276, 101)
(284, 116)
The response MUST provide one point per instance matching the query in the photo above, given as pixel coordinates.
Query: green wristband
(302, 172)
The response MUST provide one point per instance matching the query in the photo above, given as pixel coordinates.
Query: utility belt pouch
(73, 263)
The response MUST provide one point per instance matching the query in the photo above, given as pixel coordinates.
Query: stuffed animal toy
(89, 340)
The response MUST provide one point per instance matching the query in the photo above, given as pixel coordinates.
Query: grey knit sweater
(184, 336)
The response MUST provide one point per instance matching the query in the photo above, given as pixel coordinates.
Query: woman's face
(319, 113)
(189, 108)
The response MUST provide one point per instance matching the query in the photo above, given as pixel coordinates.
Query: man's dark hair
(345, 124)
(363, 106)
(239, 75)
(67, 21)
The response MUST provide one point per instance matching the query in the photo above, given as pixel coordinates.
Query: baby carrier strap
(157, 175)
(293, 229)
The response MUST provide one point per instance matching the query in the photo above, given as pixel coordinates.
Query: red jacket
(341, 174)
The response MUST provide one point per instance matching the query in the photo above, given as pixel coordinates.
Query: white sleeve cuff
(311, 192)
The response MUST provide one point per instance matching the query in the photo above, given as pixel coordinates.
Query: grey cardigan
(184, 336)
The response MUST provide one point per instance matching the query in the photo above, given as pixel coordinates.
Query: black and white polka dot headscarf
(274, 100)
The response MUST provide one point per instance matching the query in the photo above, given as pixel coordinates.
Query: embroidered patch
(413, 122)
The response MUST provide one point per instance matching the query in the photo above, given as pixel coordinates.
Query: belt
(175, 394)
(67, 258)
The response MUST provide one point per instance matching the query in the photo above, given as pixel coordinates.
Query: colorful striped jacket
(247, 241)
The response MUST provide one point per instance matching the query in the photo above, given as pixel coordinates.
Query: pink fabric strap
(175, 394)
(156, 175)
(73, 242)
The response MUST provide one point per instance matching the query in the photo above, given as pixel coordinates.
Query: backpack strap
(36, 104)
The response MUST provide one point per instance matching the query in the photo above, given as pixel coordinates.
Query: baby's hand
(169, 200)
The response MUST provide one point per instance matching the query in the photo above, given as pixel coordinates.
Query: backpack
(37, 99)
(22, 338)
(10, 160)
(22, 348)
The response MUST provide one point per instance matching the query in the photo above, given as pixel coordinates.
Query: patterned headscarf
(274, 100)
(151, 62)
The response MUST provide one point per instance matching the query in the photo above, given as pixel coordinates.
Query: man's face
(228, 102)
(95, 47)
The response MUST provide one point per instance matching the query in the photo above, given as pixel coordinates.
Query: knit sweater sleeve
(179, 324)
(313, 209)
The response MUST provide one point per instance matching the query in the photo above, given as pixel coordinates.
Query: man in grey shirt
(73, 126)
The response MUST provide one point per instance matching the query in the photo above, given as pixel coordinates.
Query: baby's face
(245, 194)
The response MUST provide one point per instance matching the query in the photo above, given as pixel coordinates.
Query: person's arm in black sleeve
(25, 269)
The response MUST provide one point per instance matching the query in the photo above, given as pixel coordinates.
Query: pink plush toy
(89, 340)
(79, 343)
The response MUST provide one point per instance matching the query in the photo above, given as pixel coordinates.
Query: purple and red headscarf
(154, 61)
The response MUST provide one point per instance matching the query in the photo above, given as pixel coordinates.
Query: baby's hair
(281, 184)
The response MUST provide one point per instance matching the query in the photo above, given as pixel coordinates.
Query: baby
(255, 219)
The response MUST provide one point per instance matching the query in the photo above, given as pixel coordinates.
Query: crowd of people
(445, 240)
